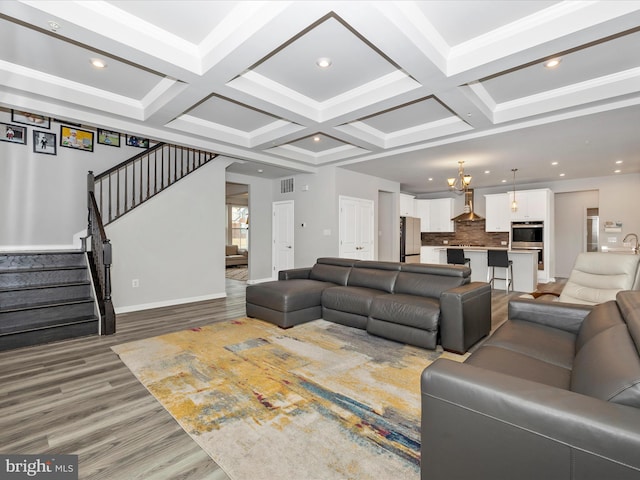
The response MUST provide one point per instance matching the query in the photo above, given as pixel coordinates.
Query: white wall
(316, 205)
(173, 244)
(43, 198)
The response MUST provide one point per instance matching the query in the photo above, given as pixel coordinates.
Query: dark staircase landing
(44, 297)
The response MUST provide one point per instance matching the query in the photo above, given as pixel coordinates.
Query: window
(239, 224)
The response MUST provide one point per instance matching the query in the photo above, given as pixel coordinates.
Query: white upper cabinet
(435, 215)
(422, 212)
(498, 213)
(407, 207)
(532, 205)
(441, 211)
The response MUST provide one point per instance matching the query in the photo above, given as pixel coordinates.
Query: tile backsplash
(467, 233)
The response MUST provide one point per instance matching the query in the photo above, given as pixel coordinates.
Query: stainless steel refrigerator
(410, 240)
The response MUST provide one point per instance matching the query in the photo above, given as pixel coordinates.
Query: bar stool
(499, 258)
(455, 256)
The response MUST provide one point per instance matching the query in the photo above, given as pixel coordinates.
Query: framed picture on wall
(134, 141)
(107, 137)
(44, 142)
(28, 118)
(13, 133)
(72, 137)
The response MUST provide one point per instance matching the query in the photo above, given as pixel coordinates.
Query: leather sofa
(416, 304)
(553, 393)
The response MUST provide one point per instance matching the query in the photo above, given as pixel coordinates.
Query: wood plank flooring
(76, 397)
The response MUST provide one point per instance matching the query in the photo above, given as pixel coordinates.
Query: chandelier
(460, 183)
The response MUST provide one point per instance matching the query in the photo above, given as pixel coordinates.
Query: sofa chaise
(553, 393)
(416, 304)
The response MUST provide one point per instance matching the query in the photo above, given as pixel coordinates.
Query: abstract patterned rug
(318, 401)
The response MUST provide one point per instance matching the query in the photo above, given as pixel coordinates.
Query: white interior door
(356, 228)
(283, 236)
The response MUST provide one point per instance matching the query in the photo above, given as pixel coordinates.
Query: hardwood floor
(76, 397)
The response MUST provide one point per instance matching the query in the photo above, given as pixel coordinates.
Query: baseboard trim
(259, 280)
(168, 303)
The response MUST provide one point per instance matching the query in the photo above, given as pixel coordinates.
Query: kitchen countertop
(478, 248)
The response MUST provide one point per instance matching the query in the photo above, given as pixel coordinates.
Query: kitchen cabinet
(532, 205)
(407, 206)
(497, 213)
(435, 215)
(440, 215)
(422, 212)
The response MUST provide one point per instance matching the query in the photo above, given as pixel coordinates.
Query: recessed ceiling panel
(191, 20)
(353, 62)
(231, 114)
(55, 56)
(602, 59)
(323, 143)
(407, 116)
(460, 21)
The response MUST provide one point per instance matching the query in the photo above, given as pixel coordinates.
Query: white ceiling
(414, 87)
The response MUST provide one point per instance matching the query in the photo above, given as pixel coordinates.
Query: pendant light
(514, 204)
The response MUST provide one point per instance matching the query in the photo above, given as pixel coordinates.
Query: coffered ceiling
(412, 87)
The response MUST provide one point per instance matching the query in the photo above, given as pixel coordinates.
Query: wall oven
(529, 236)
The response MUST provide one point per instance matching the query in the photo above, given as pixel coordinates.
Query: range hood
(467, 215)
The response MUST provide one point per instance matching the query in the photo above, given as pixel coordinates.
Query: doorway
(570, 225)
(356, 228)
(237, 232)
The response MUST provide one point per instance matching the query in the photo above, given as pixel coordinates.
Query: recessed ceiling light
(260, 170)
(617, 171)
(618, 162)
(316, 138)
(553, 63)
(554, 163)
(323, 62)
(98, 63)
(53, 25)
(504, 181)
(431, 179)
(487, 171)
(562, 174)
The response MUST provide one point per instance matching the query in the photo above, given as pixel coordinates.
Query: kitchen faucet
(634, 249)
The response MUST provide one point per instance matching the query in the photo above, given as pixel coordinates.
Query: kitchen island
(525, 266)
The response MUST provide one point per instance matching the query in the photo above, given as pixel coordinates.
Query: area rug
(237, 273)
(318, 401)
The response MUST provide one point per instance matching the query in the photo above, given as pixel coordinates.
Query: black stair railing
(131, 183)
(100, 257)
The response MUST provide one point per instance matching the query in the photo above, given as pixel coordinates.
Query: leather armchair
(597, 277)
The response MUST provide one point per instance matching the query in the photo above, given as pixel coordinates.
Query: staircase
(44, 297)
(48, 296)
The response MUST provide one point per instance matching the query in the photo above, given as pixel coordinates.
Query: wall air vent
(286, 185)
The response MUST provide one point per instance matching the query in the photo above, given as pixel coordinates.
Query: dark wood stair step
(39, 316)
(34, 295)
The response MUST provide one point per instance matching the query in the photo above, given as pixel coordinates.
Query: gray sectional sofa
(417, 304)
(554, 393)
